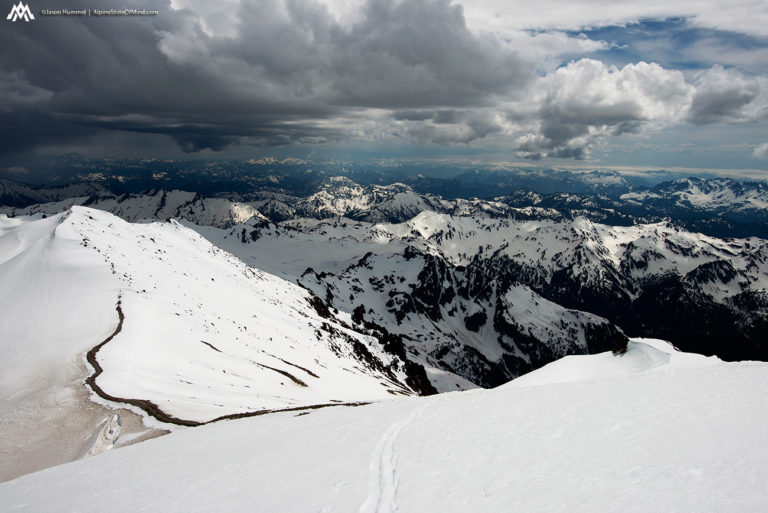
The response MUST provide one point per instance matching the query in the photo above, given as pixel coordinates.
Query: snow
(156, 205)
(224, 338)
(716, 195)
(642, 355)
(664, 438)
(596, 429)
(287, 249)
(599, 257)
(203, 335)
(57, 300)
(50, 286)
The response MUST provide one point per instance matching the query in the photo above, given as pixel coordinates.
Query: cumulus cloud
(587, 100)
(728, 95)
(394, 55)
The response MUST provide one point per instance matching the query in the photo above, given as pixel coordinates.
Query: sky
(650, 84)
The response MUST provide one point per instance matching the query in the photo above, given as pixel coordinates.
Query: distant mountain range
(472, 285)
(300, 177)
(719, 207)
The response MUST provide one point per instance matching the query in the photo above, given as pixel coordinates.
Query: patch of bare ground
(56, 422)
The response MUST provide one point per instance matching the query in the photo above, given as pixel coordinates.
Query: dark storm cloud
(24, 130)
(446, 117)
(421, 53)
(192, 137)
(413, 115)
(290, 71)
(282, 72)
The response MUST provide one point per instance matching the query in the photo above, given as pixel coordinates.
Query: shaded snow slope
(703, 293)
(51, 284)
(486, 334)
(686, 439)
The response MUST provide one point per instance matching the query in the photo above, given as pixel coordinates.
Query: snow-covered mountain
(153, 205)
(718, 196)
(337, 197)
(485, 332)
(432, 273)
(225, 307)
(15, 194)
(716, 206)
(340, 196)
(652, 430)
(720, 207)
(155, 319)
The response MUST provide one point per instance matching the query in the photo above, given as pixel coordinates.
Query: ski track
(384, 476)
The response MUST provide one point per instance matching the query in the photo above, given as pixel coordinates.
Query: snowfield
(192, 334)
(662, 431)
(204, 335)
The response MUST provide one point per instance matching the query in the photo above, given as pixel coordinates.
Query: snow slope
(223, 338)
(673, 438)
(192, 333)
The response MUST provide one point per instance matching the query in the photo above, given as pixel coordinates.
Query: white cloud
(760, 151)
(503, 17)
(587, 100)
(216, 19)
(726, 95)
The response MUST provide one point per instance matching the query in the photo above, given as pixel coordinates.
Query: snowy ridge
(642, 355)
(484, 296)
(225, 339)
(338, 197)
(155, 205)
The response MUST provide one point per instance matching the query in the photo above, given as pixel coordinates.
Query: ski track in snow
(384, 477)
